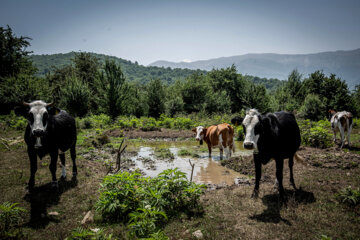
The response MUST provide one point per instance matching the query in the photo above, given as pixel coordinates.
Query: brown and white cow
(217, 136)
(341, 121)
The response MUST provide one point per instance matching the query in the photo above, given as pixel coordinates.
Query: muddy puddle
(207, 170)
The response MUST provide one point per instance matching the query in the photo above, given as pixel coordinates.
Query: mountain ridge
(344, 63)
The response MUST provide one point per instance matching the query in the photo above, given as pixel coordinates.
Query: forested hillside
(133, 71)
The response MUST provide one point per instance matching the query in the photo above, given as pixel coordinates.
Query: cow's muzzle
(38, 133)
(248, 145)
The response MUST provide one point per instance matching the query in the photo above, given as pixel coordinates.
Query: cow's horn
(25, 103)
(50, 104)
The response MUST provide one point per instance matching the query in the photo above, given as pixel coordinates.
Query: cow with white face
(49, 131)
(274, 135)
(217, 136)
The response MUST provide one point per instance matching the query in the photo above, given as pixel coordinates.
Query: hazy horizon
(149, 31)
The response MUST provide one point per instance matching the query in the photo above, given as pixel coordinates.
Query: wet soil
(163, 133)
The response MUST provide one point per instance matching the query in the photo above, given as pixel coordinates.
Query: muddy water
(207, 170)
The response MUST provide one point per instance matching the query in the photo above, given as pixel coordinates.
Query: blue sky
(147, 31)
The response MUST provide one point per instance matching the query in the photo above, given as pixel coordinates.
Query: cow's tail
(299, 158)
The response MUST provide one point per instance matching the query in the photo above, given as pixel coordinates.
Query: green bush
(356, 122)
(145, 204)
(240, 136)
(349, 196)
(10, 215)
(13, 122)
(183, 123)
(315, 134)
(148, 124)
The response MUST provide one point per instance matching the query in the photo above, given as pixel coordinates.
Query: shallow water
(207, 170)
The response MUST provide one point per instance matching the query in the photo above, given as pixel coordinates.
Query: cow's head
(200, 133)
(256, 125)
(251, 125)
(37, 113)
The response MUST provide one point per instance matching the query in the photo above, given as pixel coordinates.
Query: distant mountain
(132, 71)
(345, 64)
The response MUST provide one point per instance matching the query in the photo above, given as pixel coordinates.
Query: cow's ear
(237, 121)
(52, 110)
(194, 129)
(22, 110)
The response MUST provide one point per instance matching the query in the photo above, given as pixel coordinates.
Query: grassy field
(315, 211)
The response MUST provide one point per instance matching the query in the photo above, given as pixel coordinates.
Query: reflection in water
(206, 170)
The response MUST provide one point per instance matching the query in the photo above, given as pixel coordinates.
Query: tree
(16, 71)
(76, 96)
(113, 85)
(156, 98)
(313, 108)
(13, 55)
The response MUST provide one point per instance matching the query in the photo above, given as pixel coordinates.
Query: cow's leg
(279, 175)
(348, 134)
(73, 158)
(221, 153)
(33, 168)
(291, 164)
(63, 170)
(257, 162)
(334, 131)
(341, 135)
(54, 156)
(209, 148)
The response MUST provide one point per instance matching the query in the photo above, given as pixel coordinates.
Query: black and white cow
(272, 136)
(49, 131)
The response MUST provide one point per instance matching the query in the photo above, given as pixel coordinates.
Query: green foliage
(13, 122)
(145, 204)
(155, 98)
(315, 134)
(240, 136)
(85, 234)
(164, 153)
(313, 108)
(114, 87)
(95, 121)
(349, 196)
(76, 97)
(10, 215)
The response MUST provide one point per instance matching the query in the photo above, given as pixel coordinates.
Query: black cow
(274, 135)
(49, 131)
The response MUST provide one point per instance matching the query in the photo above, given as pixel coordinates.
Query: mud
(163, 133)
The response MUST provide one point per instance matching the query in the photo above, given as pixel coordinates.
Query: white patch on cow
(38, 143)
(249, 122)
(336, 126)
(63, 171)
(37, 109)
(199, 130)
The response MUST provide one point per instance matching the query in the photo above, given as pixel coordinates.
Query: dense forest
(86, 83)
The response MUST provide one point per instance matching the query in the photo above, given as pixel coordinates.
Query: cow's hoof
(74, 174)
(255, 194)
(63, 178)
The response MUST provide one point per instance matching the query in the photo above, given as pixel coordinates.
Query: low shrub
(13, 122)
(315, 134)
(349, 196)
(145, 204)
(10, 215)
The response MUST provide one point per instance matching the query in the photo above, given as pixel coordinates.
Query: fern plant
(10, 215)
